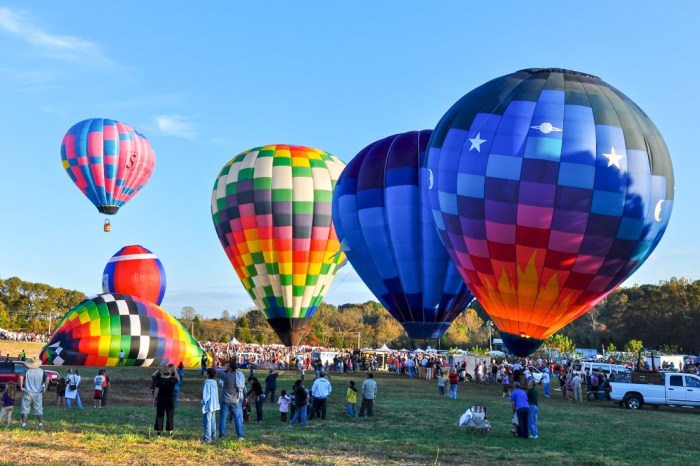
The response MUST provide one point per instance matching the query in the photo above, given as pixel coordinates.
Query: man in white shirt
(34, 384)
(321, 390)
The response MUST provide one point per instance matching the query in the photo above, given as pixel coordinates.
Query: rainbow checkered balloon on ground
(550, 188)
(271, 207)
(96, 330)
(108, 161)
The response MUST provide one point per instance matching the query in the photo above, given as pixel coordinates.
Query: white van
(603, 367)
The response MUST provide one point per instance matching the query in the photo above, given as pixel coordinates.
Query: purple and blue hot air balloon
(386, 229)
(550, 188)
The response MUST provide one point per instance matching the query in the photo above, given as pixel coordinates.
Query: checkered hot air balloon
(551, 187)
(136, 271)
(96, 330)
(108, 161)
(387, 230)
(271, 207)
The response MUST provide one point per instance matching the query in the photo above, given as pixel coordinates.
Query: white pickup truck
(665, 388)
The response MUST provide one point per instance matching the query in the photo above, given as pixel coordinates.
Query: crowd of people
(23, 336)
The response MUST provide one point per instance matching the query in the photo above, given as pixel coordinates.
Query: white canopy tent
(384, 348)
(234, 341)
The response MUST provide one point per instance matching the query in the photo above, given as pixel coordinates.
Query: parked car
(536, 374)
(12, 370)
(657, 388)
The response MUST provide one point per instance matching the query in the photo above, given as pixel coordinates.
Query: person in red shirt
(453, 383)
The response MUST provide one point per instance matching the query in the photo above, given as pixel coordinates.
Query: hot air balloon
(136, 271)
(388, 234)
(96, 330)
(271, 208)
(108, 161)
(551, 187)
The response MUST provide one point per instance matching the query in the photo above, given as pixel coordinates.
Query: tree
(634, 346)
(243, 330)
(188, 313)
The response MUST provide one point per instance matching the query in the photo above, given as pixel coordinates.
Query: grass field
(412, 426)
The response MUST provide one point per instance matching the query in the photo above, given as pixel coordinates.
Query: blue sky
(207, 80)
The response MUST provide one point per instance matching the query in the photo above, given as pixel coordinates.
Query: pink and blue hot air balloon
(550, 188)
(387, 232)
(108, 161)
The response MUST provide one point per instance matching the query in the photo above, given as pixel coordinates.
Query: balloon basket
(107, 226)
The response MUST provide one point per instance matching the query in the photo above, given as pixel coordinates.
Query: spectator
(256, 392)
(233, 394)
(369, 394)
(300, 402)
(283, 405)
(35, 383)
(453, 383)
(8, 402)
(533, 409)
(321, 390)
(271, 385)
(521, 408)
(164, 401)
(72, 392)
(441, 385)
(99, 388)
(210, 405)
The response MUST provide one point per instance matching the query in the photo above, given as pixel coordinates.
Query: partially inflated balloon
(96, 330)
(136, 271)
(108, 161)
(551, 187)
(388, 233)
(271, 207)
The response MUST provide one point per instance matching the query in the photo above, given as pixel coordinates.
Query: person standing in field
(545, 383)
(441, 385)
(521, 408)
(271, 385)
(164, 401)
(8, 402)
(105, 387)
(454, 378)
(233, 395)
(300, 401)
(72, 393)
(369, 394)
(99, 388)
(532, 397)
(35, 383)
(121, 358)
(283, 405)
(505, 381)
(351, 397)
(61, 393)
(210, 405)
(578, 392)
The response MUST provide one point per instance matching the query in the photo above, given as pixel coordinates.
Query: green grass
(412, 426)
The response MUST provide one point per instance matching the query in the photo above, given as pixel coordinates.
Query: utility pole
(489, 324)
(358, 340)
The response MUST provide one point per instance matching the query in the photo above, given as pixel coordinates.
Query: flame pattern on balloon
(108, 161)
(96, 330)
(550, 189)
(271, 208)
(385, 225)
(136, 271)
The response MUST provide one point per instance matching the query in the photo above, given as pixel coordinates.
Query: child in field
(99, 380)
(8, 402)
(283, 403)
(352, 400)
(505, 380)
(441, 385)
(61, 392)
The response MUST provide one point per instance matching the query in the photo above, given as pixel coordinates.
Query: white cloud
(60, 47)
(175, 125)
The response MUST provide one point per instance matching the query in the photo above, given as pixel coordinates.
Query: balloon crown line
(558, 70)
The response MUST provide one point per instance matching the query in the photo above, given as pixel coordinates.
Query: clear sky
(207, 80)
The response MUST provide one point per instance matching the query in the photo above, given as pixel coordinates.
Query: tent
(418, 350)
(234, 341)
(384, 348)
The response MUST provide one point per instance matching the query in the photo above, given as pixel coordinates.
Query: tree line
(665, 317)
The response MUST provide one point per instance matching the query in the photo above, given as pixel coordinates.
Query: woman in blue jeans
(72, 394)
(301, 398)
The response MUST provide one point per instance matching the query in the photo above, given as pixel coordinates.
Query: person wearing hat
(34, 384)
(522, 408)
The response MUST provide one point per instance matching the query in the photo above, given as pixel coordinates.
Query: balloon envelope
(136, 271)
(108, 161)
(387, 231)
(271, 208)
(96, 330)
(550, 188)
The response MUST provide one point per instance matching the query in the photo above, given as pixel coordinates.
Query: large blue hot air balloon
(386, 229)
(550, 187)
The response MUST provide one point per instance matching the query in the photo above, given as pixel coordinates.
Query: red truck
(12, 370)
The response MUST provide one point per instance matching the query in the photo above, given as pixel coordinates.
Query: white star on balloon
(477, 142)
(614, 158)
